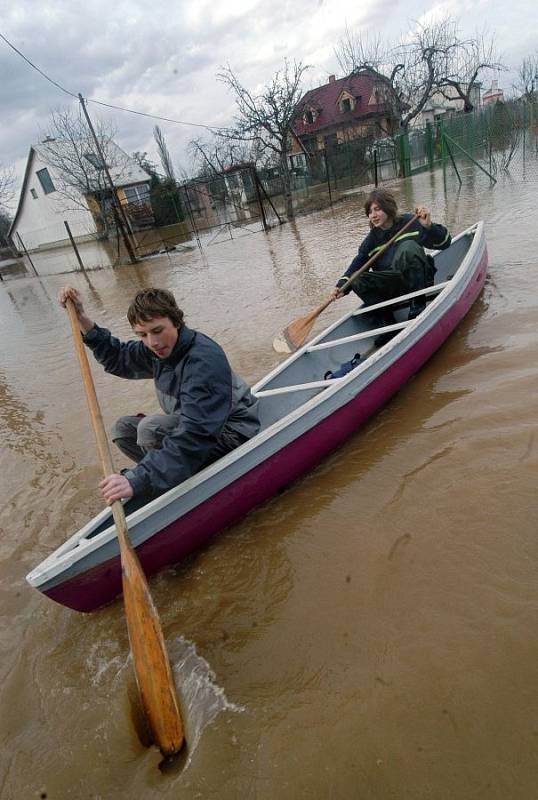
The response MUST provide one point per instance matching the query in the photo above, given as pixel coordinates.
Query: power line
(100, 102)
(37, 68)
(153, 116)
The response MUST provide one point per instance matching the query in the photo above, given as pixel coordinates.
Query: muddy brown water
(371, 632)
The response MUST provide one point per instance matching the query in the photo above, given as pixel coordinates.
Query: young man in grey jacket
(208, 410)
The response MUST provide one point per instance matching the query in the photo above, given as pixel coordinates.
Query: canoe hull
(100, 584)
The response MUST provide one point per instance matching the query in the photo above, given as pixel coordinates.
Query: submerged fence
(243, 200)
(496, 138)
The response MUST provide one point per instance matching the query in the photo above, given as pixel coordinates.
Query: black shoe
(384, 317)
(416, 307)
(383, 338)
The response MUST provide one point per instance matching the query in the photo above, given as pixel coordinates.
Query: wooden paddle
(150, 659)
(296, 334)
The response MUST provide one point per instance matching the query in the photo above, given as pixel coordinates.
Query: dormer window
(309, 117)
(346, 103)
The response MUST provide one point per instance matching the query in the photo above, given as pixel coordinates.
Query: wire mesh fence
(241, 201)
(499, 138)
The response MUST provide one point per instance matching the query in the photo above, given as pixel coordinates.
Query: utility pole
(122, 219)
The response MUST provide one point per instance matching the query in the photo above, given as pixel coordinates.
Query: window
(298, 160)
(45, 180)
(137, 194)
(94, 160)
(309, 117)
(33, 193)
(345, 105)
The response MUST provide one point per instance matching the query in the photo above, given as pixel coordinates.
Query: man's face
(378, 218)
(159, 335)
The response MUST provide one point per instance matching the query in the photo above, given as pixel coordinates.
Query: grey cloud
(157, 59)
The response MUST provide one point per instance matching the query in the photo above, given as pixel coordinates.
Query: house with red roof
(340, 111)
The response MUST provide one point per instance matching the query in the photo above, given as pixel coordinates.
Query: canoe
(304, 415)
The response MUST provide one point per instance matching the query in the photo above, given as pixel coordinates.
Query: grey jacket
(196, 382)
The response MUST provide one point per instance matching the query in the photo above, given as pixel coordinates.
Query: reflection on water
(104, 253)
(353, 616)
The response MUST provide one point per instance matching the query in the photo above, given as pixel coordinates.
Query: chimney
(332, 78)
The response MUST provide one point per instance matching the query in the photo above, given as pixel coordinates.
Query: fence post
(327, 176)
(429, 144)
(191, 217)
(404, 155)
(26, 253)
(375, 167)
(75, 248)
(256, 182)
(524, 130)
(443, 146)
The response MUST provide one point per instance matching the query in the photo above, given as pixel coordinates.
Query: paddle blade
(152, 666)
(281, 345)
(296, 334)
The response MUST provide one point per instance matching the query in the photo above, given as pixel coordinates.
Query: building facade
(65, 183)
(342, 110)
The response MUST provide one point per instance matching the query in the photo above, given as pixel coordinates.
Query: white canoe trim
(356, 337)
(435, 289)
(298, 387)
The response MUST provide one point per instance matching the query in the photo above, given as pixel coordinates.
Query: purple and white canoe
(304, 417)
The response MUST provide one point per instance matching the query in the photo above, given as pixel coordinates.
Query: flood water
(371, 632)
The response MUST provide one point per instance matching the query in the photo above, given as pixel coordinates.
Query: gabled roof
(123, 169)
(324, 100)
(23, 192)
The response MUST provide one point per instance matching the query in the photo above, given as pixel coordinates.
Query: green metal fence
(499, 138)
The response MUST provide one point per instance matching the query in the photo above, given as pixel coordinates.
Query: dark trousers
(136, 435)
(411, 270)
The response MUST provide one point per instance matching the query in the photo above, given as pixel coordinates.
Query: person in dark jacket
(208, 410)
(403, 267)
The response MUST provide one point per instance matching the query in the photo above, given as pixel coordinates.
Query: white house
(444, 103)
(64, 182)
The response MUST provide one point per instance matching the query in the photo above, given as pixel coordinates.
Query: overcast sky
(162, 57)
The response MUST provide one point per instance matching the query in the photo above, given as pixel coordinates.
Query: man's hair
(151, 303)
(385, 200)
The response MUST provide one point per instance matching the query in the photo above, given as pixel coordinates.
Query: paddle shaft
(150, 659)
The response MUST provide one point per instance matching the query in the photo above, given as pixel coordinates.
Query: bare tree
(141, 158)
(5, 225)
(527, 83)
(79, 176)
(465, 61)
(214, 157)
(264, 119)
(358, 51)
(432, 57)
(406, 73)
(164, 153)
(7, 186)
